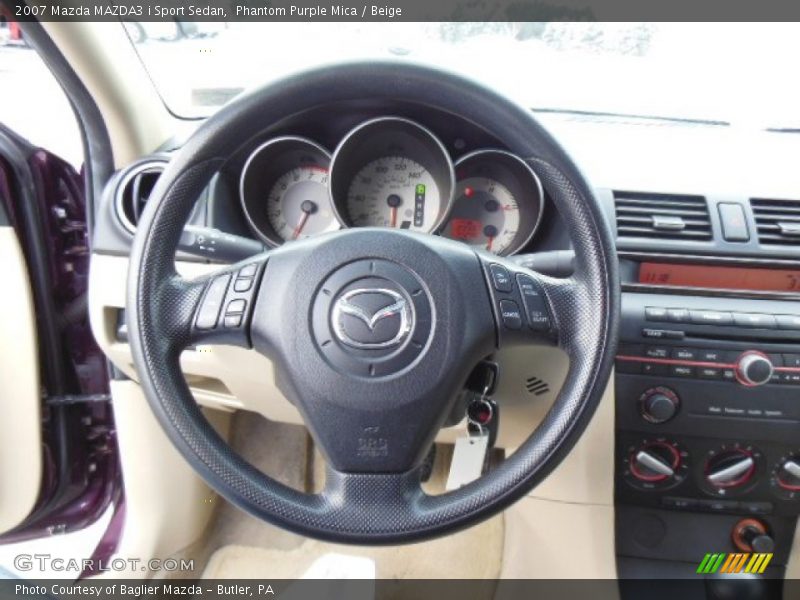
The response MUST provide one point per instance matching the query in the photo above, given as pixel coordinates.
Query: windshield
(731, 73)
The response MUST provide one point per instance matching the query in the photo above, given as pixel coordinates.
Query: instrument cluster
(390, 172)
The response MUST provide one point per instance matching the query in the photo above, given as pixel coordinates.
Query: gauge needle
(308, 208)
(489, 243)
(393, 201)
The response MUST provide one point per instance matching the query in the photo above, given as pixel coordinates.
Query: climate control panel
(695, 474)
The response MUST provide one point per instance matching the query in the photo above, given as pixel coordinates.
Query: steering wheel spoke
(528, 307)
(221, 305)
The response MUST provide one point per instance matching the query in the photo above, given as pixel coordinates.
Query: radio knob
(659, 405)
(730, 468)
(753, 368)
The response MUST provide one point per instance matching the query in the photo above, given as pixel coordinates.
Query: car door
(58, 464)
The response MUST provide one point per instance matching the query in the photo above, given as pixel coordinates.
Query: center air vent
(777, 221)
(662, 216)
(134, 190)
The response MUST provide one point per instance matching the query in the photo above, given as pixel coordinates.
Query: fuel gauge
(498, 202)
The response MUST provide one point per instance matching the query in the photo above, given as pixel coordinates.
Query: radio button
(709, 373)
(791, 360)
(655, 313)
(711, 356)
(754, 320)
(729, 374)
(678, 315)
(711, 317)
(684, 353)
(681, 371)
(664, 334)
(654, 369)
(656, 352)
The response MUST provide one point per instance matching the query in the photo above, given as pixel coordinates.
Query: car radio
(707, 419)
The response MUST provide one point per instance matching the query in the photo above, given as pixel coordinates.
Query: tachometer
(284, 189)
(392, 172)
(298, 204)
(498, 203)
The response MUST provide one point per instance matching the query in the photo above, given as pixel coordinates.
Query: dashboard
(394, 165)
(708, 370)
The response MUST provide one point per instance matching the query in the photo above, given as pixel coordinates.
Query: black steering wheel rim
(369, 507)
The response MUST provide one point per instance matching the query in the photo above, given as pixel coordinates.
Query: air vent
(662, 216)
(536, 386)
(777, 221)
(134, 190)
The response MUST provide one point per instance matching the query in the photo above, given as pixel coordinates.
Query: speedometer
(392, 172)
(394, 191)
(498, 203)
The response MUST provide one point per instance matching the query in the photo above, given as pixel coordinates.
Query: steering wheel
(373, 332)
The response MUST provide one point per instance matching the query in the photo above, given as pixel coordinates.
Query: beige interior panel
(167, 506)
(20, 400)
(793, 567)
(106, 62)
(547, 539)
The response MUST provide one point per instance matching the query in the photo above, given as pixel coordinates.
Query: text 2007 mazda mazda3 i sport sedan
(400, 301)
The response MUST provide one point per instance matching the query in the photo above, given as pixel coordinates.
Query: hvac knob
(787, 475)
(730, 468)
(655, 462)
(659, 404)
(753, 368)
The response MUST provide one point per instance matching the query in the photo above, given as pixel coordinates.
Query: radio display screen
(724, 278)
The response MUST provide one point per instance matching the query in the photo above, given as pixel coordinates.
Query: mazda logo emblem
(371, 318)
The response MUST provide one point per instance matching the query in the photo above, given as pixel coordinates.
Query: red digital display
(724, 278)
(465, 229)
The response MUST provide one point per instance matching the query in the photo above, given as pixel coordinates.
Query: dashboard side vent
(662, 216)
(777, 221)
(134, 190)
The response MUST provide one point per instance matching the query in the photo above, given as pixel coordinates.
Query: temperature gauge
(498, 202)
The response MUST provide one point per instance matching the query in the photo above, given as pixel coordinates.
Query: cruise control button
(534, 302)
(212, 303)
(756, 320)
(509, 312)
(501, 278)
(711, 317)
(788, 321)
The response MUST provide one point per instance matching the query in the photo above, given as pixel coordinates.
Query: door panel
(20, 398)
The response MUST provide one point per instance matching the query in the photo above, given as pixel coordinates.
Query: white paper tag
(468, 458)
